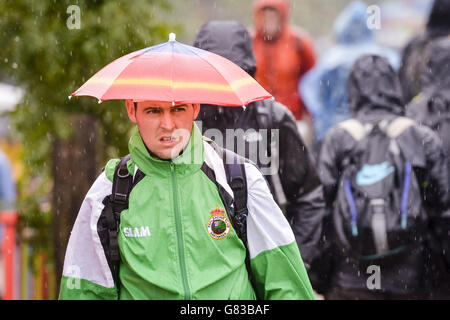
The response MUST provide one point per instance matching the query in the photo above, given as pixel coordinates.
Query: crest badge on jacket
(218, 225)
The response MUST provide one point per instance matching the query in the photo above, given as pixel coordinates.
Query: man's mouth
(169, 140)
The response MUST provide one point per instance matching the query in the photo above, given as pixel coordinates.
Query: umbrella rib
(171, 73)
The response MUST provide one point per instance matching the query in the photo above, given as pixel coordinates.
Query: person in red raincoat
(283, 55)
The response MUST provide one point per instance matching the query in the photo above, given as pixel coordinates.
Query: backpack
(123, 183)
(378, 208)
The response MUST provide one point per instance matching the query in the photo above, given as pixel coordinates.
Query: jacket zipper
(179, 230)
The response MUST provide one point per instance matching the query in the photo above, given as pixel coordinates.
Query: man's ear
(196, 107)
(131, 110)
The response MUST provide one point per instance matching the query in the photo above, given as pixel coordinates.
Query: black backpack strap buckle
(122, 183)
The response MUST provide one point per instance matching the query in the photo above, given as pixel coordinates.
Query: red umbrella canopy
(177, 73)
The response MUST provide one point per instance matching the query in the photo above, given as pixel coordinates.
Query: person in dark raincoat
(432, 108)
(268, 128)
(414, 54)
(374, 95)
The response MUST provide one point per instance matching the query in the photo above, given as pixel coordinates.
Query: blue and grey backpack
(378, 210)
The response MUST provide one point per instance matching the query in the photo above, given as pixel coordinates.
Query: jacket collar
(188, 162)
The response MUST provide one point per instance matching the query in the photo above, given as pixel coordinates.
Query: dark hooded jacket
(375, 94)
(414, 56)
(432, 109)
(432, 106)
(295, 184)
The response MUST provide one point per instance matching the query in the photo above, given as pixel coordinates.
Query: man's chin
(169, 153)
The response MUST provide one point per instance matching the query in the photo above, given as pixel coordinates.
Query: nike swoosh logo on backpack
(373, 173)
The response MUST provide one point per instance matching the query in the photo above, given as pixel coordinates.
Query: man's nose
(167, 121)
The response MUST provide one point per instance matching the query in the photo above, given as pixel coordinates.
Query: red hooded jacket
(281, 62)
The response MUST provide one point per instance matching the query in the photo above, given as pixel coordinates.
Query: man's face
(165, 129)
(272, 23)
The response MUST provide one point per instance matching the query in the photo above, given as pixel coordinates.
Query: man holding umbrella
(175, 232)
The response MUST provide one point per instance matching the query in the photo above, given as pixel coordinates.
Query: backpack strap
(266, 120)
(393, 129)
(122, 183)
(398, 126)
(355, 128)
(235, 172)
(264, 113)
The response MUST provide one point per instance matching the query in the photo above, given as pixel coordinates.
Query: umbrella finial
(172, 36)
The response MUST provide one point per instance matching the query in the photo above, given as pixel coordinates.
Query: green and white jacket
(175, 239)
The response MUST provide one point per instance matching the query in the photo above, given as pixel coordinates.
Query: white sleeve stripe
(85, 257)
(215, 162)
(267, 227)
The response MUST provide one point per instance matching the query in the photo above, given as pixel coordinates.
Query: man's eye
(153, 111)
(178, 109)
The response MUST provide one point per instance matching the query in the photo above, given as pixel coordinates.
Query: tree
(50, 48)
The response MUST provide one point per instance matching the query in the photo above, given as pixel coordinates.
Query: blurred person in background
(432, 109)
(375, 102)
(414, 54)
(294, 183)
(7, 184)
(324, 87)
(284, 53)
(7, 202)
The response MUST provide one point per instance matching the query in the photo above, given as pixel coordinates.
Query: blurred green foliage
(41, 54)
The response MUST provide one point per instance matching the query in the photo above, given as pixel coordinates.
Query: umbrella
(177, 73)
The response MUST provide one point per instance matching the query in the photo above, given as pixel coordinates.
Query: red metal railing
(9, 220)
